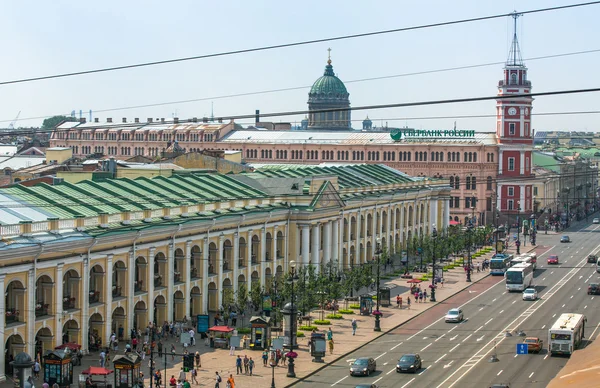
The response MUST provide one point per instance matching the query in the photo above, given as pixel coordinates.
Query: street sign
(522, 349)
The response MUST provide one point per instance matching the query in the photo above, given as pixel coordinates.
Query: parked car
(565, 239)
(454, 315)
(530, 294)
(592, 259)
(366, 386)
(593, 289)
(553, 259)
(409, 363)
(363, 366)
(596, 221)
(534, 344)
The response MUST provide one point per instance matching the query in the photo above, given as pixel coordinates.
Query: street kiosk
(58, 367)
(384, 296)
(127, 370)
(260, 329)
(366, 304)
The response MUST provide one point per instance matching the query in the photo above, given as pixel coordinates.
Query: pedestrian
(238, 365)
(331, 346)
(198, 361)
(102, 359)
(408, 302)
(159, 346)
(265, 356)
(182, 375)
(195, 376)
(134, 343)
(246, 364)
(251, 365)
(172, 381)
(425, 296)
(400, 302)
(179, 384)
(354, 325)
(158, 378)
(192, 338)
(36, 370)
(45, 385)
(230, 381)
(329, 334)
(420, 297)
(232, 350)
(186, 384)
(172, 352)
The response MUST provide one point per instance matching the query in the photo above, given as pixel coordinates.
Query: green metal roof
(546, 161)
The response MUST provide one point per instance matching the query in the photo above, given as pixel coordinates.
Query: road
(457, 355)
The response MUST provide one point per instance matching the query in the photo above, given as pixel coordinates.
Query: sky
(45, 38)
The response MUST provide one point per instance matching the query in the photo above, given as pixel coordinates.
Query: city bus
(566, 335)
(519, 277)
(528, 258)
(500, 263)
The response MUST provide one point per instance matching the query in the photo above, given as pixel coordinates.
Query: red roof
(96, 371)
(221, 329)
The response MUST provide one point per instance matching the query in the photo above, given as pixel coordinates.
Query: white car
(454, 315)
(530, 294)
(596, 221)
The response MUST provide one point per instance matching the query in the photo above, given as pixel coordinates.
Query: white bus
(528, 258)
(566, 334)
(519, 277)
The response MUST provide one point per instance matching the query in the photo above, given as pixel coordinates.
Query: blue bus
(500, 263)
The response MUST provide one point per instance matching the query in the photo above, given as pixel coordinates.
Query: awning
(454, 223)
(72, 346)
(221, 329)
(96, 371)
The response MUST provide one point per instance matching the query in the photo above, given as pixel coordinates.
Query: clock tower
(514, 134)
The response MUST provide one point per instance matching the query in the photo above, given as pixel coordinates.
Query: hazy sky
(50, 37)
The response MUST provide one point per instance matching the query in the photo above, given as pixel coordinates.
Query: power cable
(293, 44)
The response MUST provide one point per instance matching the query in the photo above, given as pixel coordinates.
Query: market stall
(100, 381)
(127, 370)
(58, 367)
(218, 337)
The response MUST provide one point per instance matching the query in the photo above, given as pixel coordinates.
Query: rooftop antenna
(212, 112)
(514, 56)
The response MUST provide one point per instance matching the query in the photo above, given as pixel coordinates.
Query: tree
(228, 299)
(242, 298)
(52, 122)
(256, 295)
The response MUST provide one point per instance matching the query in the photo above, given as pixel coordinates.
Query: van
(598, 266)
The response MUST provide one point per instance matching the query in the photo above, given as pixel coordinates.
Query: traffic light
(188, 362)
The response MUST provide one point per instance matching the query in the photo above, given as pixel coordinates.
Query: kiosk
(260, 332)
(366, 304)
(384, 296)
(318, 346)
(58, 367)
(127, 370)
(219, 336)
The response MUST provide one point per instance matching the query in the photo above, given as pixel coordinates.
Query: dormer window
(513, 78)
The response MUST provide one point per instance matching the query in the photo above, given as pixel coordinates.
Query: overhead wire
(294, 44)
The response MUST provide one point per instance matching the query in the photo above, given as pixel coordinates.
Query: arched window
(441, 156)
(473, 183)
(489, 183)
(451, 181)
(474, 156)
(425, 155)
(457, 183)
(492, 157)
(409, 156)
(468, 183)
(465, 157)
(448, 158)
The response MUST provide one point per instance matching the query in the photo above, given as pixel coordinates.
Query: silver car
(455, 315)
(530, 294)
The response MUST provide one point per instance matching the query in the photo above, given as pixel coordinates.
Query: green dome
(328, 86)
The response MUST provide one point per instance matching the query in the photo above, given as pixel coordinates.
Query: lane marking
(585, 307)
(440, 337)
(516, 355)
(531, 375)
(383, 354)
(469, 336)
(424, 370)
(480, 327)
(543, 327)
(495, 299)
(397, 346)
(514, 301)
(489, 320)
(563, 305)
(410, 381)
(500, 312)
(457, 345)
(543, 279)
(393, 370)
(553, 315)
(453, 338)
(546, 357)
(448, 365)
(480, 338)
(427, 346)
(339, 381)
(438, 360)
(501, 370)
(481, 309)
(377, 380)
(385, 363)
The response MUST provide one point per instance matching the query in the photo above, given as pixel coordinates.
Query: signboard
(277, 343)
(522, 349)
(185, 338)
(234, 340)
(202, 323)
(267, 304)
(398, 134)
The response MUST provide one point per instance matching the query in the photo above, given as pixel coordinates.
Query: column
(498, 198)
(401, 223)
(376, 232)
(248, 258)
(236, 260)
(522, 162)
(335, 254)
(58, 306)
(205, 297)
(316, 242)
(296, 249)
(170, 274)
(327, 242)
(85, 313)
(108, 297)
(388, 221)
(446, 220)
(305, 244)
(150, 280)
(522, 199)
(361, 257)
(30, 343)
(263, 255)
(433, 203)
(220, 261)
(358, 226)
(188, 277)
(414, 216)
(2, 323)
(500, 162)
(274, 249)
(130, 291)
(286, 239)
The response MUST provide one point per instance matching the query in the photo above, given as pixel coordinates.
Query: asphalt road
(457, 355)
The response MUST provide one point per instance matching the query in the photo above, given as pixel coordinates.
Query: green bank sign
(398, 134)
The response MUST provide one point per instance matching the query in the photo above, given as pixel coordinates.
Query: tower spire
(329, 56)
(514, 55)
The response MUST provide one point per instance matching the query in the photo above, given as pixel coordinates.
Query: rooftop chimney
(195, 119)
(96, 120)
(175, 120)
(220, 120)
(149, 119)
(137, 120)
(109, 120)
(82, 120)
(257, 116)
(162, 121)
(124, 119)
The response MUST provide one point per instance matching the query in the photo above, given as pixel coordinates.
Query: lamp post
(292, 278)
(378, 252)
(518, 243)
(433, 238)
(273, 364)
(469, 231)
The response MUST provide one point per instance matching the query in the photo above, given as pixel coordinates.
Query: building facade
(82, 260)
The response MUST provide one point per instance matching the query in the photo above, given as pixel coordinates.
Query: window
(535, 190)
(511, 204)
(451, 181)
(467, 202)
(488, 205)
(475, 157)
(511, 191)
(527, 164)
(513, 78)
(511, 164)
(468, 184)
(456, 202)
(527, 129)
(489, 183)
(511, 128)
(457, 183)
(473, 183)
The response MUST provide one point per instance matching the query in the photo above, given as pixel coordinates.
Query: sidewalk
(220, 360)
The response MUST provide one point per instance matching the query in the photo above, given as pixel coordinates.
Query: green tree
(228, 299)
(256, 294)
(242, 297)
(52, 122)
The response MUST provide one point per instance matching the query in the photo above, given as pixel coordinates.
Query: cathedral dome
(328, 87)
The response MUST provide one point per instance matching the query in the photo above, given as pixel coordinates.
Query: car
(565, 239)
(596, 221)
(366, 386)
(553, 259)
(593, 289)
(409, 363)
(454, 315)
(363, 366)
(534, 344)
(499, 386)
(530, 294)
(592, 259)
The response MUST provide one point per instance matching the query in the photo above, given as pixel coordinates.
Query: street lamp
(433, 238)
(273, 364)
(378, 252)
(469, 231)
(518, 243)
(292, 278)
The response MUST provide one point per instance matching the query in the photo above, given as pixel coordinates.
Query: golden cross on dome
(329, 56)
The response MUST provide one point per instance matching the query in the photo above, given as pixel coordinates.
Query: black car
(366, 386)
(592, 259)
(593, 289)
(409, 363)
(363, 366)
(565, 239)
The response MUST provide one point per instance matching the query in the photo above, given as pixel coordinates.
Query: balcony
(94, 297)
(11, 315)
(41, 309)
(241, 263)
(116, 291)
(254, 260)
(177, 277)
(194, 273)
(157, 281)
(68, 303)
